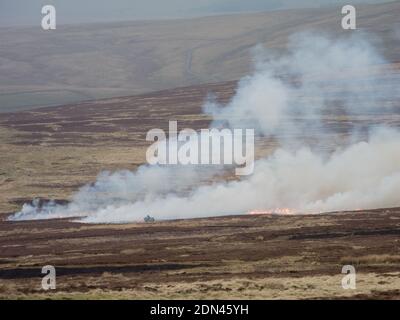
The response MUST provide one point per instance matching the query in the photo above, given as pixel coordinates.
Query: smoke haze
(22, 12)
(362, 173)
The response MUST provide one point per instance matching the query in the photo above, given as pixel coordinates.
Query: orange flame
(273, 211)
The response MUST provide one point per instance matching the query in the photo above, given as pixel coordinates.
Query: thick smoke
(291, 97)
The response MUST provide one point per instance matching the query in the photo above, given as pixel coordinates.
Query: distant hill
(94, 61)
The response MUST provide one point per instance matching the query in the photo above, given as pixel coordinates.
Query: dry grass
(253, 257)
(314, 287)
(373, 259)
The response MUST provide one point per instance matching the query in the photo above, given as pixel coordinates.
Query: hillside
(94, 61)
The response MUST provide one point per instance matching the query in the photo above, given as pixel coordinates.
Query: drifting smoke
(286, 97)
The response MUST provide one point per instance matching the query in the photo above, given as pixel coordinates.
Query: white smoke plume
(288, 97)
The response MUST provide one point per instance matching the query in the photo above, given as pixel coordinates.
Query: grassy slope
(76, 63)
